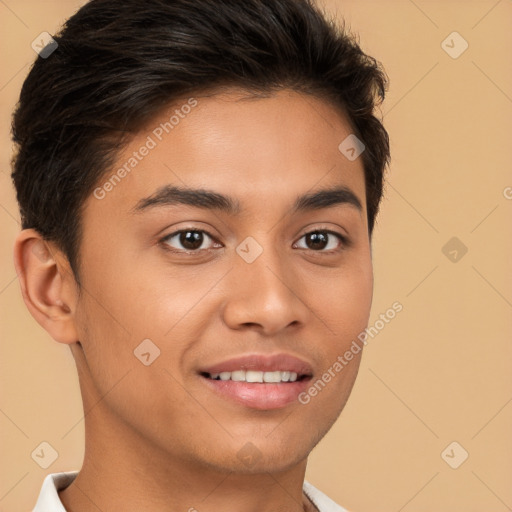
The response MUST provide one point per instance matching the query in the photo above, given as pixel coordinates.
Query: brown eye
(323, 241)
(187, 240)
(317, 240)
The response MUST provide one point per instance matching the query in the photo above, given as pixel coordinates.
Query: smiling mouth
(259, 382)
(254, 376)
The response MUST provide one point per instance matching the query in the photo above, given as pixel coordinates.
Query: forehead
(261, 150)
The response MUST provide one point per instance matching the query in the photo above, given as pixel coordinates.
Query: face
(191, 300)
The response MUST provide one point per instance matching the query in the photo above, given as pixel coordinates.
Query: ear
(47, 284)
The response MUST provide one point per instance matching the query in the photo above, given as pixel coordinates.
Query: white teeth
(256, 376)
(272, 377)
(238, 376)
(252, 376)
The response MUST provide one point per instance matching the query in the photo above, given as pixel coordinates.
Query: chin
(273, 453)
(262, 462)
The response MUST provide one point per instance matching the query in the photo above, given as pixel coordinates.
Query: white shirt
(49, 500)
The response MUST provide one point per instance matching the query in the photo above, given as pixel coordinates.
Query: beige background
(441, 370)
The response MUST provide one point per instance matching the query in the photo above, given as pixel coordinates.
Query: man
(198, 184)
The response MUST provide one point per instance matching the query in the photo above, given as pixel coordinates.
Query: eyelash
(345, 242)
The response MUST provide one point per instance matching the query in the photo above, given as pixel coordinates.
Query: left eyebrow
(208, 199)
(326, 198)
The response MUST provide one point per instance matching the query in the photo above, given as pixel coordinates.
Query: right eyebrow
(199, 198)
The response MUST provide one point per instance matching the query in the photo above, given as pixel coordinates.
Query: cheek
(125, 304)
(344, 306)
(345, 300)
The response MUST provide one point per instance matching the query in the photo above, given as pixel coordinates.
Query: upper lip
(263, 363)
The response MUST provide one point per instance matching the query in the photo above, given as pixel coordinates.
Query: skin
(156, 438)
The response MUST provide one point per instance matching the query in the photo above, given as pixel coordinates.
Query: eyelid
(322, 227)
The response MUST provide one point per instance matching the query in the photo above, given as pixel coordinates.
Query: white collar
(49, 501)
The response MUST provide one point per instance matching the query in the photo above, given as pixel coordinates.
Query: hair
(117, 64)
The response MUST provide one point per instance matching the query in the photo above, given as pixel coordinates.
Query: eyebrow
(210, 200)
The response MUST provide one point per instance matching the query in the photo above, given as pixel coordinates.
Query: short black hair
(118, 63)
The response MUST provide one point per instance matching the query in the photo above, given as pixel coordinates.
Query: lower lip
(258, 395)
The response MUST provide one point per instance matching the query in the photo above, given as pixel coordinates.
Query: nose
(266, 295)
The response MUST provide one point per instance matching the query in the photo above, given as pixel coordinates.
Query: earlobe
(42, 277)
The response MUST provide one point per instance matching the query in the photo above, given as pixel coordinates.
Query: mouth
(255, 376)
(258, 381)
